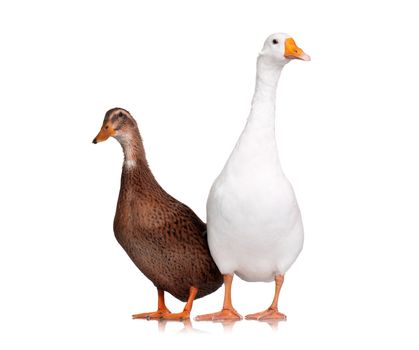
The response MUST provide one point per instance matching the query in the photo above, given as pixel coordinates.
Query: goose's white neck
(262, 113)
(256, 147)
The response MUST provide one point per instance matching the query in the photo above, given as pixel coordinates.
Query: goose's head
(118, 123)
(280, 48)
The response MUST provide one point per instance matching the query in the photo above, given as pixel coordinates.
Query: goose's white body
(254, 223)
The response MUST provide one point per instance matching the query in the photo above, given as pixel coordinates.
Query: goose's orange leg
(184, 315)
(161, 309)
(227, 313)
(272, 312)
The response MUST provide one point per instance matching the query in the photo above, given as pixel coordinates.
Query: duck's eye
(274, 41)
(107, 126)
(120, 114)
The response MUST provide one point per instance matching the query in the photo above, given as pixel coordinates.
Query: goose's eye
(274, 41)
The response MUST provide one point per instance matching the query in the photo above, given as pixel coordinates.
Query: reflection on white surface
(194, 327)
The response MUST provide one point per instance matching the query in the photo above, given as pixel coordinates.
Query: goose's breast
(246, 202)
(254, 231)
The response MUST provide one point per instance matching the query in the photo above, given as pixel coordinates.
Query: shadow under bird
(164, 238)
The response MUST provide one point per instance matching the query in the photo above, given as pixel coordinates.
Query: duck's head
(118, 123)
(280, 48)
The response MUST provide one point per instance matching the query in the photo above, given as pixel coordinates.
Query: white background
(347, 134)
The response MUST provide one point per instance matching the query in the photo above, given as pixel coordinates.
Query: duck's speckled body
(164, 238)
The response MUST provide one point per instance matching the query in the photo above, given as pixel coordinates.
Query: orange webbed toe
(180, 316)
(269, 314)
(156, 315)
(223, 315)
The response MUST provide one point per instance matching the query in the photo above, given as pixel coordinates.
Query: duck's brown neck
(132, 145)
(136, 174)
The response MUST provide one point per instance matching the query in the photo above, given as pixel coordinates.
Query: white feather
(254, 223)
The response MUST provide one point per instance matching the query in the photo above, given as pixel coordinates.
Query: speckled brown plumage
(163, 237)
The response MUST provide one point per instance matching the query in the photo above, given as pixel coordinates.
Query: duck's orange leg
(184, 315)
(272, 312)
(161, 309)
(228, 313)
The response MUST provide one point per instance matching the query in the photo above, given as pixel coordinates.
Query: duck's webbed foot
(184, 315)
(162, 310)
(156, 315)
(179, 316)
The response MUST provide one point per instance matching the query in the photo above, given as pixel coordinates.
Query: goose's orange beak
(105, 132)
(292, 51)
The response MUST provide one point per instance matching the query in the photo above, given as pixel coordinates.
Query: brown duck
(163, 237)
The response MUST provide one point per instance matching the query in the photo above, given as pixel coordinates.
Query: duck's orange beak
(105, 132)
(292, 51)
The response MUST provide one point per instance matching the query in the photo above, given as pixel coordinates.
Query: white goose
(254, 223)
